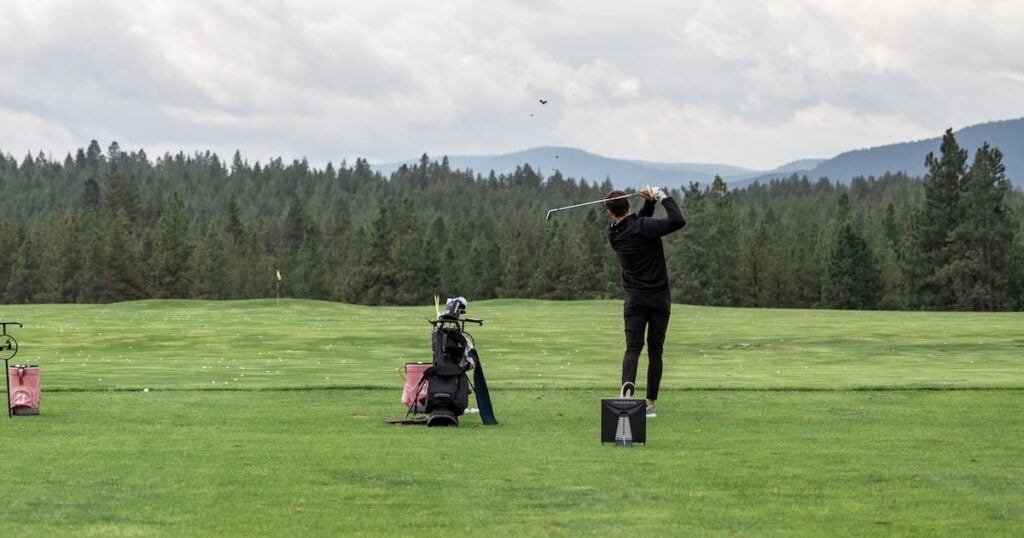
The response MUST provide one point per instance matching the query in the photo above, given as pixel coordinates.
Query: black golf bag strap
(483, 397)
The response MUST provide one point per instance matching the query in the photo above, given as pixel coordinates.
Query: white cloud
(753, 84)
(25, 132)
(709, 27)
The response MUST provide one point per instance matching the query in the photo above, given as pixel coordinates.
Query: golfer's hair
(619, 207)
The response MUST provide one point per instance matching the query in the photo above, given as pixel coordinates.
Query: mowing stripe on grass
(586, 388)
(524, 343)
(323, 463)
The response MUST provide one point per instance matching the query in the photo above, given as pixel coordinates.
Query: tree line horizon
(101, 227)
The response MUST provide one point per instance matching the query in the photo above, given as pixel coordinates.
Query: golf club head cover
(454, 307)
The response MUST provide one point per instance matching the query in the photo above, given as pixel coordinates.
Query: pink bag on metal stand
(413, 373)
(23, 394)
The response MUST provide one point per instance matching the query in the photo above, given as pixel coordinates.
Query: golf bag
(442, 390)
(447, 382)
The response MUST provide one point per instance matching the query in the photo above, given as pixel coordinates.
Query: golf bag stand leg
(7, 379)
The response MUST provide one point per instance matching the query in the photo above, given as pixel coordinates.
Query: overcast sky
(748, 83)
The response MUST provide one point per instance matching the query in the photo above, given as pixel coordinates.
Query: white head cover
(454, 307)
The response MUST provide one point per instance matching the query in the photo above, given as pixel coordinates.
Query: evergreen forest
(112, 225)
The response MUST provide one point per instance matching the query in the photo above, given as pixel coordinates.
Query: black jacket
(637, 241)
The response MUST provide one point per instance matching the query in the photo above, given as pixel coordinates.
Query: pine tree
(436, 241)
(168, 273)
(25, 283)
(600, 269)
(94, 155)
(984, 253)
(891, 227)
(124, 275)
(888, 248)
(852, 279)
(802, 262)
(9, 243)
(557, 275)
(934, 223)
(308, 269)
(233, 226)
(520, 265)
(296, 221)
(408, 255)
(122, 194)
(373, 275)
(91, 198)
(687, 259)
(760, 280)
(91, 279)
(483, 266)
(60, 258)
(208, 274)
(114, 152)
(722, 246)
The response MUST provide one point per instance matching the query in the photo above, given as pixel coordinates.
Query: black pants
(650, 313)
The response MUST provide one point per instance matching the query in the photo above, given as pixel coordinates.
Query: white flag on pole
(278, 274)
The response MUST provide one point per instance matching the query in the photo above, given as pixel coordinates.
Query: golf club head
(548, 216)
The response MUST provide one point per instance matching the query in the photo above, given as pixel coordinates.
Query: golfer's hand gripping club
(653, 193)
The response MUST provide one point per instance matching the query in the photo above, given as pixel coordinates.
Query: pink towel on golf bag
(24, 394)
(413, 373)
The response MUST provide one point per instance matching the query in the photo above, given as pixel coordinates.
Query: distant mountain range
(579, 164)
(907, 157)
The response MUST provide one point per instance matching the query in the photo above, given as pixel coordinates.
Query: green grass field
(266, 418)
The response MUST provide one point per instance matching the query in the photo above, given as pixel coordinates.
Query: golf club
(10, 345)
(548, 217)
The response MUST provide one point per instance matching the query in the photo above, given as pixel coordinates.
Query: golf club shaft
(7, 379)
(592, 203)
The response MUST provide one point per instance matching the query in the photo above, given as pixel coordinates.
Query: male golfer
(636, 239)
